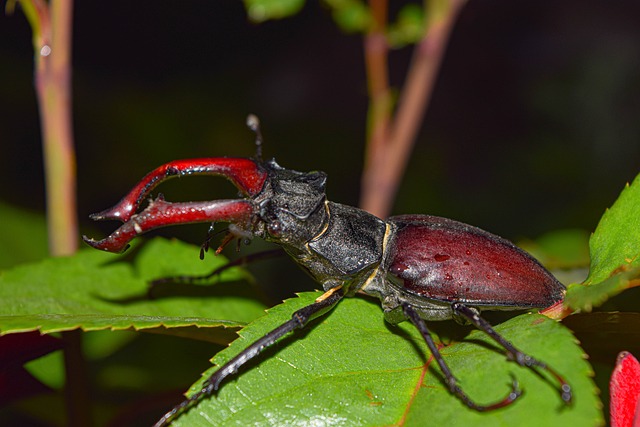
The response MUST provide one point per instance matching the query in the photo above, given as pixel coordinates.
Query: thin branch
(53, 87)
(385, 166)
(376, 53)
(52, 26)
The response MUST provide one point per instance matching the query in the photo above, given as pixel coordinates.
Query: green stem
(53, 86)
(52, 26)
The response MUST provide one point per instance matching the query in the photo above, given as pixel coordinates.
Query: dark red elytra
(446, 260)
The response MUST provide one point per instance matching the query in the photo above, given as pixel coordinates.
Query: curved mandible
(247, 175)
(160, 213)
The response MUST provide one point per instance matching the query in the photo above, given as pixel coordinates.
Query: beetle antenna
(253, 123)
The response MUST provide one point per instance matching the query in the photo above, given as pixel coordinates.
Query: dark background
(533, 126)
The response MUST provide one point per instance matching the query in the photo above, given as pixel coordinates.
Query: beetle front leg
(515, 354)
(298, 320)
(451, 381)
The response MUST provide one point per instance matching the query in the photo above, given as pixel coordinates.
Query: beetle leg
(160, 213)
(451, 381)
(515, 354)
(299, 320)
(230, 234)
(204, 247)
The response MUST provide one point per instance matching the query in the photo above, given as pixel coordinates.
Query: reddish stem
(52, 25)
(389, 145)
(376, 53)
(53, 86)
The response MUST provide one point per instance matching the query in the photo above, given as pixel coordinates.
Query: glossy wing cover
(446, 260)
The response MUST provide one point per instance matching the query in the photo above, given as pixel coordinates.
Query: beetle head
(291, 206)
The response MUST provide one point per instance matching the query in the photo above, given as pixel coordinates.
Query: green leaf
(560, 249)
(24, 236)
(350, 15)
(409, 27)
(615, 245)
(48, 369)
(93, 290)
(614, 249)
(34, 11)
(264, 10)
(353, 369)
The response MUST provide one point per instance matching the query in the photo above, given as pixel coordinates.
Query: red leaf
(624, 388)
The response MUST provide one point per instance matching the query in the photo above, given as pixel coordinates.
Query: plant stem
(376, 53)
(76, 388)
(52, 26)
(53, 87)
(390, 143)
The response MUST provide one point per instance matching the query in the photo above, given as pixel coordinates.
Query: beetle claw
(513, 395)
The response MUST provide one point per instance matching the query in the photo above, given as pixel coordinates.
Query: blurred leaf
(263, 10)
(409, 28)
(350, 15)
(35, 10)
(615, 253)
(101, 344)
(48, 369)
(353, 369)
(23, 235)
(93, 290)
(560, 249)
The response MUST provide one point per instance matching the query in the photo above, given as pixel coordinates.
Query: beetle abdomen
(446, 260)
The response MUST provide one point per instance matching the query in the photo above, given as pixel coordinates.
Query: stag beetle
(420, 267)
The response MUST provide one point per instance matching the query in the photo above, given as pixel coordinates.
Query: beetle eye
(274, 228)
